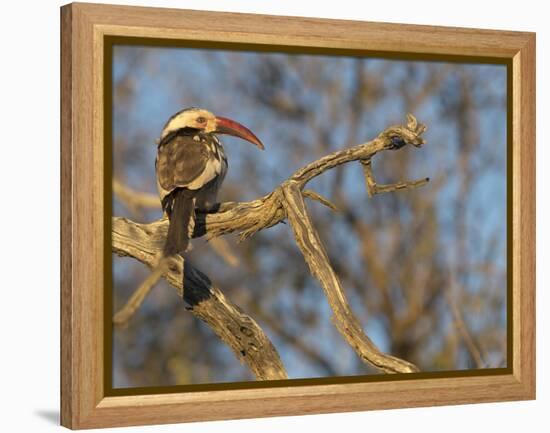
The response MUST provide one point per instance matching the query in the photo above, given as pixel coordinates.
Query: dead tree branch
(143, 241)
(374, 188)
(316, 257)
(239, 331)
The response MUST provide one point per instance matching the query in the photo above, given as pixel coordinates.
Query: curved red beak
(230, 127)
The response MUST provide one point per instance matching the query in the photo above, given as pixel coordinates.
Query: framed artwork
(268, 216)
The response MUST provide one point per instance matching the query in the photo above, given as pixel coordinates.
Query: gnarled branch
(239, 331)
(316, 257)
(143, 241)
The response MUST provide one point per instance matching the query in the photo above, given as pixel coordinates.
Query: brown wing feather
(180, 161)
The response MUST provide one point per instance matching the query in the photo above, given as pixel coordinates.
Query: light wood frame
(83, 400)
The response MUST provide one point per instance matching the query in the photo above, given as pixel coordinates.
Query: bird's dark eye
(201, 120)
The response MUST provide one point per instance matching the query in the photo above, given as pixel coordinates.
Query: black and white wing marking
(184, 161)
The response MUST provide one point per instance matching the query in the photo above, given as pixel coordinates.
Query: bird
(190, 167)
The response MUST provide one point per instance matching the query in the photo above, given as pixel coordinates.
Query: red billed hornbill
(190, 166)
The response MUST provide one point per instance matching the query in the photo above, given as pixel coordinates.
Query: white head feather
(197, 118)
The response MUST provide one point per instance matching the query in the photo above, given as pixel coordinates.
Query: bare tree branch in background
(463, 330)
(134, 199)
(240, 332)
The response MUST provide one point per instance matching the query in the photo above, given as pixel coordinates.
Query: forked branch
(286, 202)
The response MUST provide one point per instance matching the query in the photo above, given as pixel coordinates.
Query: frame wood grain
(83, 400)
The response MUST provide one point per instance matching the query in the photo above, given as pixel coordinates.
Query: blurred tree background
(425, 269)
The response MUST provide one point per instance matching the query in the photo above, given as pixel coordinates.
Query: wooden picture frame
(84, 28)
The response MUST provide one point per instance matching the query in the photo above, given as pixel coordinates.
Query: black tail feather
(182, 210)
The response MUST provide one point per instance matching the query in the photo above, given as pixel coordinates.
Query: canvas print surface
(424, 268)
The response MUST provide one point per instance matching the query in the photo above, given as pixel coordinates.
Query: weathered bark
(316, 257)
(239, 331)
